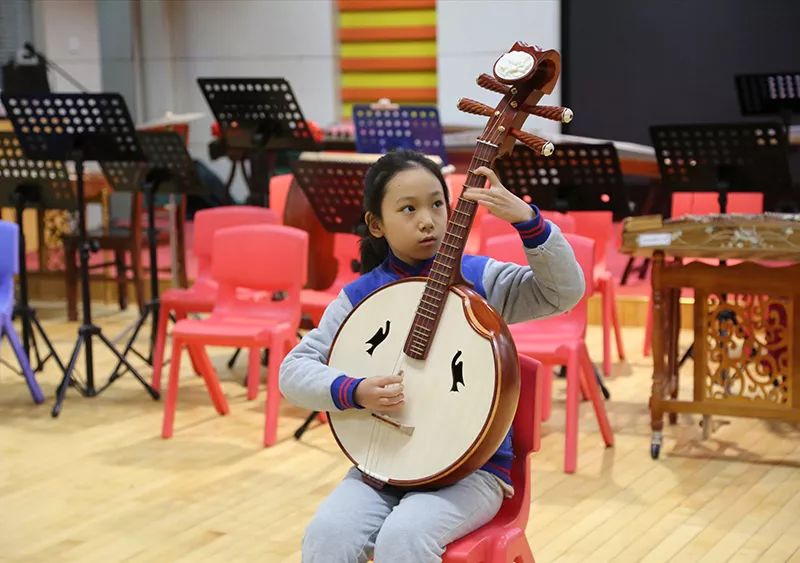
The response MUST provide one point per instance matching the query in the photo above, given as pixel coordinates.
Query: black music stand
(43, 185)
(724, 158)
(576, 177)
(78, 127)
(335, 192)
(257, 117)
(169, 169)
(776, 93)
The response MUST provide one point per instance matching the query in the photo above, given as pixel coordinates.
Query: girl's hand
(382, 393)
(498, 200)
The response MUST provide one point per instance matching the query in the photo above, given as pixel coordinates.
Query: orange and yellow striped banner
(387, 50)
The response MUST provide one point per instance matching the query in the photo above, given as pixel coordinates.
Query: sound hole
(379, 336)
(456, 369)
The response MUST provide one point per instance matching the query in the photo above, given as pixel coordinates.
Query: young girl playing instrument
(406, 206)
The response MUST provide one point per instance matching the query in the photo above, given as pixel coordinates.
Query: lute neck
(446, 268)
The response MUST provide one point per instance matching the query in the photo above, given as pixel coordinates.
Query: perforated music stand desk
(256, 115)
(576, 177)
(334, 189)
(41, 184)
(78, 127)
(168, 169)
(776, 93)
(723, 158)
(381, 129)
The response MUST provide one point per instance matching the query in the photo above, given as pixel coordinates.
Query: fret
(464, 213)
(457, 236)
(453, 222)
(445, 243)
(437, 290)
(422, 328)
(417, 347)
(431, 311)
(421, 314)
(434, 306)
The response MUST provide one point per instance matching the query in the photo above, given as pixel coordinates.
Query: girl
(406, 212)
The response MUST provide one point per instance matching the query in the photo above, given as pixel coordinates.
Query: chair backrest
(208, 221)
(526, 438)
(565, 222)
(346, 249)
(707, 203)
(508, 248)
(278, 193)
(260, 258)
(9, 263)
(596, 225)
(492, 226)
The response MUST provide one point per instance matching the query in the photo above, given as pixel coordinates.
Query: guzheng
(771, 236)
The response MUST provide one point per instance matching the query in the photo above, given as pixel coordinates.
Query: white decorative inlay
(514, 65)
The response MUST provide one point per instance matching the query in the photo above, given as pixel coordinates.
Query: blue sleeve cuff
(343, 390)
(535, 231)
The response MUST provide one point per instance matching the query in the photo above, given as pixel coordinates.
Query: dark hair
(375, 250)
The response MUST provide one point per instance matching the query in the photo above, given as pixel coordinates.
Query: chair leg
(273, 403)
(571, 427)
(172, 389)
(209, 375)
(138, 280)
(615, 320)
(597, 401)
(161, 341)
(606, 321)
(648, 328)
(513, 547)
(547, 390)
(253, 373)
(19, 352)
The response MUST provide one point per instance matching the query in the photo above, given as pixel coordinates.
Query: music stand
(257, 117)
(169, 169)
(576, 177)
(776, 93)
(43, 184)
(335, 192)
(78, 127)
(724, 158)
(380, 129)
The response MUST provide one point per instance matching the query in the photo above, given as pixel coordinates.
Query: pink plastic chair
(261, 259)
(200, 298)
(503, 538)
(456, 184)
(560, 340)
(492, 226)
(346, 249)
(599, 225)
(703, 203)
(278, 193)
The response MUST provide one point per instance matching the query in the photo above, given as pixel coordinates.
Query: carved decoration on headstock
(522, 75)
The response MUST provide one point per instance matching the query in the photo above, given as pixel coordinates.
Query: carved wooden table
(746, 349)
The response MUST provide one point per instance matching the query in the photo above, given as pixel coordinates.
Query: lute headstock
(522, 75)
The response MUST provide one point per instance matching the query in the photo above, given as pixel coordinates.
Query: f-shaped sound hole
(457, 371)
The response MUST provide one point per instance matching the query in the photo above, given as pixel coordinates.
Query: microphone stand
(28, 47)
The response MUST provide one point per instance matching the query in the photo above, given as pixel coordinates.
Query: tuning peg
(542, 146)
(556, 113)
(471, 106)
(491, 83)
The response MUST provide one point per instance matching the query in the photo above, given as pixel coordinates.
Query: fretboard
(446, 267)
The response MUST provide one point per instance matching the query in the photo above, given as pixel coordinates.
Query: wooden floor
(99, 484)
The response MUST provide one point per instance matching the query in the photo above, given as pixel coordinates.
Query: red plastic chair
(560, 340)
(703, 203)
(346, 249)
(492, 226)
(598, 226)
(278, 193)
(200, 298)
(503, 538)
(456, 184)
(261, 259)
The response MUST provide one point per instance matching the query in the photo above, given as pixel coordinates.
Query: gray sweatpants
(357, 522)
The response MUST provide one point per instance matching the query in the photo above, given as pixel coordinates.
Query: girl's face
(414, 214)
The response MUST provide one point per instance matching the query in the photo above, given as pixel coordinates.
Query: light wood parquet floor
(99, 484)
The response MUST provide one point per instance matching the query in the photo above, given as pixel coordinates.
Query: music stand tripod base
(78, 127)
